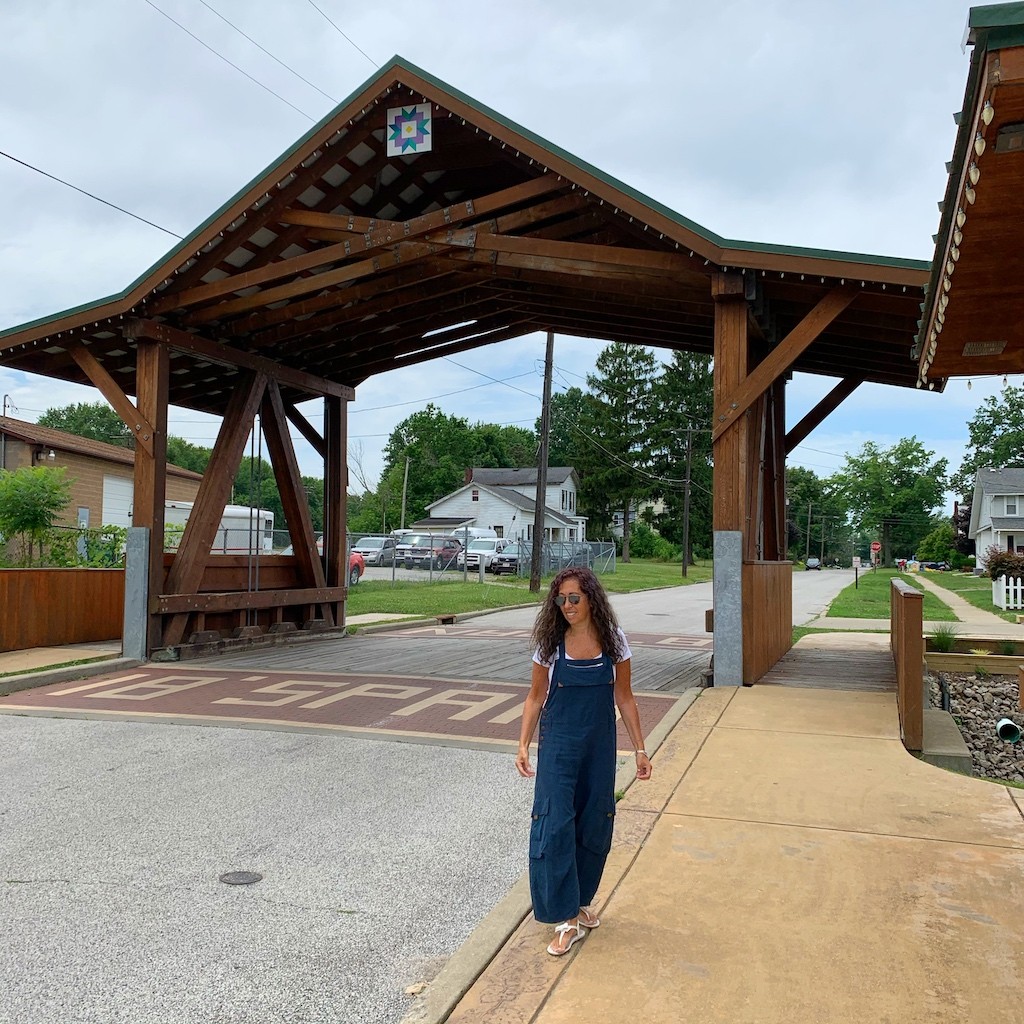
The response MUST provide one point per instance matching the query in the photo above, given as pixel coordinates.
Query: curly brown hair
(551, 625)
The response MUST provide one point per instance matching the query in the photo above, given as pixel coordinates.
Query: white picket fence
(1008, 594)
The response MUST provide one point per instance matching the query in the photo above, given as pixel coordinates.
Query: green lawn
(976, 590)
(869, 599)
(455, 597)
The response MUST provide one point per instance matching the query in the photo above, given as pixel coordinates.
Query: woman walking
(581, 672)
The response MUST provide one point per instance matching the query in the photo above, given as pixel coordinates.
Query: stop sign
(876, 545)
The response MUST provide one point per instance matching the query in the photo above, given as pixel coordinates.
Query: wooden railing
(907, 641)
(52, 607)
(767, 616)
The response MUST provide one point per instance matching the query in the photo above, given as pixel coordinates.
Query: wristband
(642, 751)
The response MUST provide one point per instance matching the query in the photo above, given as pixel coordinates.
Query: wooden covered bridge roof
(341, 261)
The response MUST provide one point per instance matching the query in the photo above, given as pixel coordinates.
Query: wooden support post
(335, 496)
(731, 366)
(152, 375)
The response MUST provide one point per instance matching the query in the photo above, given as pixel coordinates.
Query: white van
(485, 548)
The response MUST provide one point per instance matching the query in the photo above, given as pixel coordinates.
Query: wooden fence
(907, 641)
(767, 616)
(52, 607)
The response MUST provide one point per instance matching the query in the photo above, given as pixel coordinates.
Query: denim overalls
(574, 797)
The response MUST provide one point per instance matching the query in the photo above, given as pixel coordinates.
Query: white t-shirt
(625, 656)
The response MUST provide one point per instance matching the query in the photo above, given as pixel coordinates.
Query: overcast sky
(781, 121)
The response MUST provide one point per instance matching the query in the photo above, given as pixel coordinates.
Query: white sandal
(592, 919)
(560, 930)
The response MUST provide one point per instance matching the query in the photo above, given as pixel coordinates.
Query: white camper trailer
(242, 530)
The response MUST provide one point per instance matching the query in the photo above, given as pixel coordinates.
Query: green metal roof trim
(985, 31)
(995, 26)
(186, 245)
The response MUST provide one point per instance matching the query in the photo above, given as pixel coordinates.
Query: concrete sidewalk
(789, 861)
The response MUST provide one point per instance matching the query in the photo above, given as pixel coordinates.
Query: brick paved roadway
(385, 706)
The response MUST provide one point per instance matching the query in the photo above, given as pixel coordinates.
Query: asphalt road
(378, 859)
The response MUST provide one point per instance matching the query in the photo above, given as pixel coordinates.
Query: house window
(1009, 542)
(565, 500)
(476, 495)
(529, 531)
(499, 531)
(1011, 504)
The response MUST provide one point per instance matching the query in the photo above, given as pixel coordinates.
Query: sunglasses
(560, 599)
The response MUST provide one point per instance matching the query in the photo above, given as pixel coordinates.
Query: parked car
(935, 566)
(511, 558)
(426, 550)
(812, 563)
(376, 550)
(356, 562)
(483, 549)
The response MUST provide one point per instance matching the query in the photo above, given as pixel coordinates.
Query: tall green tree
(817, 517)
(618, 417)
(894, 492)
(683, 402)
(31, 501)
(566, 444)
(90, 419)
(503, 447)
(995, 438)
(440, 448)
(187, 455)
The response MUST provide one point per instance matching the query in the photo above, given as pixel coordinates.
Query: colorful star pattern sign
(409, 129)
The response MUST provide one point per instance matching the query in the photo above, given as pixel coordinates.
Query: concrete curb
(443, 994)
(30, 680)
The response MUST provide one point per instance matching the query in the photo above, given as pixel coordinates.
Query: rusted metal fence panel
(767, 616)
(907, 642)
(52, 607)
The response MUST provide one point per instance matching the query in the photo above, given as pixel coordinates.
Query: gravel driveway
(379, 859)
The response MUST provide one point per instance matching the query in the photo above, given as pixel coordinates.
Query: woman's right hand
(523, 764)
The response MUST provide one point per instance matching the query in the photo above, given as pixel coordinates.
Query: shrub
(944, 639)
(645, 543)
(999, 562)
(1007, 648)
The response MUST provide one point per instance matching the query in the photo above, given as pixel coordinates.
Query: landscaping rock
(976, 704)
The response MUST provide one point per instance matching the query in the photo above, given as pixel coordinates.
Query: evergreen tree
(683, 404)
(618, 417)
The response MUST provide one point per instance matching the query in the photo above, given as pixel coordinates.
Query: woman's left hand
(643, 766)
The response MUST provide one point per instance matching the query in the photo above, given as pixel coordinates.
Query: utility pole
(807, 553)
(686, 499)
(542, 469)
(405, 488)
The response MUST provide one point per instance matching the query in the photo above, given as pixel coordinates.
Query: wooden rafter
(824, 408)
(225, 355)
(782, 357)
(140, 427)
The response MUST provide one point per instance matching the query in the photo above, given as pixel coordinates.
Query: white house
(504, 500)
(997, 511)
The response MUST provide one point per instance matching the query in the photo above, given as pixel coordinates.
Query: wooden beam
(377, 234)
(400, 255)
(150, 483)
(108, 387)
(730, 361)
(289, 484)
(781, 358)
(234, 600)
(335, 495)
(824, 408)
(306, 429)
(605, 269)
(186, 570)
(225, 355)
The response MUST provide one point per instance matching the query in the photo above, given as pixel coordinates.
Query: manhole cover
(240, 877)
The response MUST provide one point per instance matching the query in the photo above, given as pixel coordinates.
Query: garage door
(117, 501)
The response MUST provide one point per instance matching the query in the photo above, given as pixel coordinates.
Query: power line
(345, 37)
(105, 202)
(221, 56)
(287, 67)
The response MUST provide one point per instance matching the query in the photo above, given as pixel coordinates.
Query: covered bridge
(411, 223)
